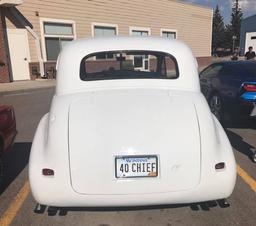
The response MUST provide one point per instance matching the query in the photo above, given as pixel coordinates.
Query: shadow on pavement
(240, 145)
(63, 211)
(236, 140)
(14, 162)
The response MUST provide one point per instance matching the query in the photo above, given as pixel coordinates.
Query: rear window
(128, 65)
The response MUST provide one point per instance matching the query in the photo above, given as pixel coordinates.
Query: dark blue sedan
(230, 88)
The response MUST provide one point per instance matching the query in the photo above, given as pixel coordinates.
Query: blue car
(230, 88)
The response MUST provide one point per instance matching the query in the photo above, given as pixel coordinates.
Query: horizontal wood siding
(193, 23)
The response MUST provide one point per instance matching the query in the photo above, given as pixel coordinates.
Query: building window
(139, 33)
(169, 34)
(100, 31)
(104, 31)
(56, 35)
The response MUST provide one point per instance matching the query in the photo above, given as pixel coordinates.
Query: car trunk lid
(107, 124)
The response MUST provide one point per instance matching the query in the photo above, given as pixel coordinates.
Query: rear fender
(215, 144)
(50, 150)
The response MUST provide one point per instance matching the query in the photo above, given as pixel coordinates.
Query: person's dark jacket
(250, 55)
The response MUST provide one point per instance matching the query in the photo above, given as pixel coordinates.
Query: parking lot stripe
(247, 178)
(13, 209)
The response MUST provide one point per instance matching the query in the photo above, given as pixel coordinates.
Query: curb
(7, 92)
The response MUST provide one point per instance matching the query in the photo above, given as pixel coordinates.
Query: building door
(250, 40)
(19, 53)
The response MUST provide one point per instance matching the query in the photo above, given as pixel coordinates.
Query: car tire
(254, 156)
(1, 165)
(1, 172)
(216, 106)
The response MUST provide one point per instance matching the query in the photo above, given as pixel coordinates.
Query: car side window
(227, 71)
(211, 71)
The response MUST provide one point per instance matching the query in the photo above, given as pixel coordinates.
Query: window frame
(131, 29)
(43, 35)
(177, 69)
(107, 25)
(169, 30)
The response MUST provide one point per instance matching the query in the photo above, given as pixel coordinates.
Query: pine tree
(218, 29)
(236, 19)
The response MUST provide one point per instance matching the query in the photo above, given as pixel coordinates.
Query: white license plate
(136, 166)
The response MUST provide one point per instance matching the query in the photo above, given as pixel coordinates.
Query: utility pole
(234, 40)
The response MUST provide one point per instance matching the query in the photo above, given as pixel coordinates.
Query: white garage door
(250, 40)
(19, 53)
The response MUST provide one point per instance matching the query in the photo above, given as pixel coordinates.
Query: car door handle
(203, 80)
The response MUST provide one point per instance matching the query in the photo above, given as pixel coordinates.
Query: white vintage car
(129, 126)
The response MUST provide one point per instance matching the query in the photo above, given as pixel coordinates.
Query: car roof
(115, 41)
(70, 58)
(237, 63)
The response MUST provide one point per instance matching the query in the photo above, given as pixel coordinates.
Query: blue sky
(248, 6)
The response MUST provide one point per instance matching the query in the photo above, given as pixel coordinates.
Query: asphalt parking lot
(17, 206)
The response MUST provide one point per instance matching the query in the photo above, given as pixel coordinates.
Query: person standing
(250, 55)
(235, 54)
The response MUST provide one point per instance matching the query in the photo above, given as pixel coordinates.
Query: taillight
(220, 165)
(47, 172)
(250, 87)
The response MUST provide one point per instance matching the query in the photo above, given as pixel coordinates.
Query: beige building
(33, 32)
